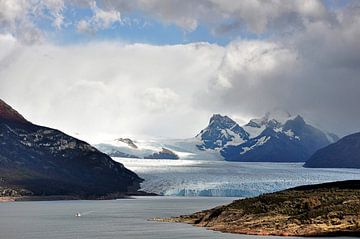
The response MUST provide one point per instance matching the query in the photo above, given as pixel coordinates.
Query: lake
(113, 219)
(128, 218)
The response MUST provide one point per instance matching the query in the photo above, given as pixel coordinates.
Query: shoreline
(74, 197)
(329, 209)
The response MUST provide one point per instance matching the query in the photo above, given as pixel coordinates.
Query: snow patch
(254, 131)
(258, 143)
(236, 139)
(291, 134)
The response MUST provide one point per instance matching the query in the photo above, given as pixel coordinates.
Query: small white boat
(78, 214)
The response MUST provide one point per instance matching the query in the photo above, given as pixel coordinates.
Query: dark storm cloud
(315, 72)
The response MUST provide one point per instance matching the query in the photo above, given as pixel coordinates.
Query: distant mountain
(276, 137)
(163, 154)
(345, 153)
(221, 132)
(36, 160)
(128, 141)
(127, 148)
(158, 149)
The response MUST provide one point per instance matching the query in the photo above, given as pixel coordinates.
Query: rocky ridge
(40, 161)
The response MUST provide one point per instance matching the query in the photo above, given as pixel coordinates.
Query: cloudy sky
(161, 68)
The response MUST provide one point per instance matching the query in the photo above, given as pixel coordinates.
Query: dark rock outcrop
(113, 151)
(128, 141)
(38, 160)
(163, 154)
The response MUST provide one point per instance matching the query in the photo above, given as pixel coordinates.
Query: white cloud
(18, 17)
(252, 78)
(252, 62)
(221, 16)
(108, 88)
(226, 15)
(101, 19)
(10, 10)
(83, 26)
(56, 8)
(160, 100)
(172, 90)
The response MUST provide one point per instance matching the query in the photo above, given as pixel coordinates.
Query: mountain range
(276, 137)
(41, 161)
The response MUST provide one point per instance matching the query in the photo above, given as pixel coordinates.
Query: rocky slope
(331, 209)
(345, 153)
(36, 160)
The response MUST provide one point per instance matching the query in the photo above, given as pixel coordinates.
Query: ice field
(229, 179)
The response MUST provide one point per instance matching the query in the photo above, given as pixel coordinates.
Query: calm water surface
(123, 219)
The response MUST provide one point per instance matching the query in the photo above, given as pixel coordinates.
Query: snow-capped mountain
(271, 119)
(278, 137)
(221, 132)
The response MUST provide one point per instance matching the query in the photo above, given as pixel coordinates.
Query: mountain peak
(299, 118)
(221, 130)
(219, 119)
(8, 113)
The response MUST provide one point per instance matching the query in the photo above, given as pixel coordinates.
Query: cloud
(171, 90)
(56, 8)
(109, 88)
(19, 17)
(161, 100)
(101, 19)
(252, 78)
(313, 72)
(256, 16)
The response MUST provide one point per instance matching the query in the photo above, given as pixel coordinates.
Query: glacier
(227, 179)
